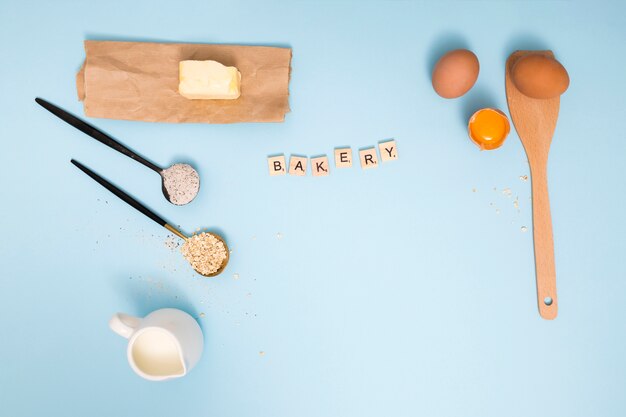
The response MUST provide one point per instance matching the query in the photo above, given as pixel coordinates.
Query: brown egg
(539, 76)
(455, 73)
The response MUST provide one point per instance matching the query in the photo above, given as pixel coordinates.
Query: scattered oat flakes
(235, 276)
(523, 177)
(279, 235)
(507, 192)
(202, 314)
(261, 353)
(524, 228)
(473, 190)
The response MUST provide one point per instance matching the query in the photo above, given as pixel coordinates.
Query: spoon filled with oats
(180, 183)
(206, 252)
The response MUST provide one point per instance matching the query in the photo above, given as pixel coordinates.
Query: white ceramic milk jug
(165, 344)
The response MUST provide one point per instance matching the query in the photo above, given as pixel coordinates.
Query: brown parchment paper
(139, 81)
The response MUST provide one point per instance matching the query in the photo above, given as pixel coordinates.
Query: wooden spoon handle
(544, 243)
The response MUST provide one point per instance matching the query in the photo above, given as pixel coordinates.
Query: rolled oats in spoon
(180, 183)
(205, 252)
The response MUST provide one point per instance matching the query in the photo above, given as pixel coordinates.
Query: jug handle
(123, 324)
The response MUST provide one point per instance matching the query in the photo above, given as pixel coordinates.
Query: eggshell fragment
(455, 73)
(539, 76)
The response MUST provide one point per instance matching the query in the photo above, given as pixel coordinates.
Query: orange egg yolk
(488, 128)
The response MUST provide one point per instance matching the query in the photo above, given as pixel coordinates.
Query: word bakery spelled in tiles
(320, 165)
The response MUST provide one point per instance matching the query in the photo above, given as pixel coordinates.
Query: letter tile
(319, 166)
(297, 165)
(388, 150)
(343, 157)
(276, 165)
(369, 158)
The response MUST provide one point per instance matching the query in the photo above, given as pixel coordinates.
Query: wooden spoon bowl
(535, 121)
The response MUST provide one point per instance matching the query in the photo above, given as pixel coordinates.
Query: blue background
(396, 291)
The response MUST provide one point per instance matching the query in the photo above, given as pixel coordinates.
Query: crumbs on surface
(172, 242)
(205, 253)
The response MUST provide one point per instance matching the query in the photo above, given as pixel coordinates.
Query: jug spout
(181, 372)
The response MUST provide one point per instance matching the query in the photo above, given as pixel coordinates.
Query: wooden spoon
(535, 121)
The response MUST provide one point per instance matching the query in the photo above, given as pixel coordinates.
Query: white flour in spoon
(181, 182)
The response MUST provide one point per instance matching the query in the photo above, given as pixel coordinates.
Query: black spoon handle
(94, 133)
(121, 194)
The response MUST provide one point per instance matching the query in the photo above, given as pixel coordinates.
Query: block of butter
(208, 80)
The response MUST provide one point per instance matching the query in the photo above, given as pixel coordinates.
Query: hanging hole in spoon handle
(544, 242)
(95, 133)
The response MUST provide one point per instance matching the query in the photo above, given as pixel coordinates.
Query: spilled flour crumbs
(205, 253)
(172, 242)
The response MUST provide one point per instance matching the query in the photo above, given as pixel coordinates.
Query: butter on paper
(139, 81)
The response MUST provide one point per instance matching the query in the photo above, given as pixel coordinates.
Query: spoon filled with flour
(180, 182)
